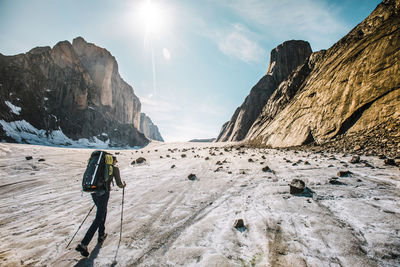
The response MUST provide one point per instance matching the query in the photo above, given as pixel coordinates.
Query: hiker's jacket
(117, 177)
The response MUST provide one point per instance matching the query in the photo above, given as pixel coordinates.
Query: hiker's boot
(102, 238)
(82, 249)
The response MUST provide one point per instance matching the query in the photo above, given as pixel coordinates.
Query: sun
(152, 17)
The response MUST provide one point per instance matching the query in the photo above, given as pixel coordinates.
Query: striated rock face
(149, 129)
(284, 59)
(75, 88)
(351, 87)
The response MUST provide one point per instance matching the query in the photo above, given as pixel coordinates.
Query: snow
(23, 132)
(14, 109)
(171, 221)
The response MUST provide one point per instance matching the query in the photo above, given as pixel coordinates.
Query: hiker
(100, 199)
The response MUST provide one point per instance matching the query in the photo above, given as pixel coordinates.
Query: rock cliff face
(149, 129)
(74, 88)
(284, 59)
(353, 86)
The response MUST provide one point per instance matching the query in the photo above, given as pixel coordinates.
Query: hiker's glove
(123, 185)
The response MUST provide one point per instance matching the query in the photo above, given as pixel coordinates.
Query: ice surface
(172, 221)
(23, 132)
(14, 109)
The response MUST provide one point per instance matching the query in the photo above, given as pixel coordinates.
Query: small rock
(218, 169)
(219, 163)
(250, 160)
(390, 162)
(266, 169)
(381, 156)
(355, 159)
(357, 147)
(229, 172)
(207, 158)
(297, 186)
(117, 153)
(161, 157)
(41, 159)
(307, 163)
(28, 157)
(344, 173)
(263, 157)
(168, 156)
(133, 162)
(183, 155)
(173, 166)
(140, 160)
(239, 225)
(192, 177)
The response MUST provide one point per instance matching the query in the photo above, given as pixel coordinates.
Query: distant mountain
(149, 129)
(210, 140)
(351, 89)
(284, 59)
(71, 94)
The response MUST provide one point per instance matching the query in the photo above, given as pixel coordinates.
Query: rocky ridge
(149, 129)
(351, 87)
(283, 60)
(343, 97)
(71, 89)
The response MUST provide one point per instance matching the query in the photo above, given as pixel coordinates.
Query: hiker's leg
(103, 221)
(99, 201)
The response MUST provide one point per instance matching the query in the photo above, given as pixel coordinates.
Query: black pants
(101, 202)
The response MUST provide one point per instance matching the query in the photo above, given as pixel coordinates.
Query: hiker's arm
(118, 178)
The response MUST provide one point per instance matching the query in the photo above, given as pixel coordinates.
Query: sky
(191, 63)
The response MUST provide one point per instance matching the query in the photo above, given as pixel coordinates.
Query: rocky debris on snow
(355, 159)
(306, 163)
(192, 177)
(207, 158)
(344, 173)
(173, 166)
(263, 157)
(218, 169)
(389, 162)
(28, 157)
(140, 160)
(218, 163)
(335, 181)
(239, 225)
(117, 153)
(297, 186)
(250, 160)
(381, 156)
(183, 155)
(41, 160)
(266, 169)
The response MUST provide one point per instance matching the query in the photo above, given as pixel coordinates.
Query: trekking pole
(80, 226)
(120, 230)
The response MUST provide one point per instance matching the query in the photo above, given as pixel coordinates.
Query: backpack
(98, 172)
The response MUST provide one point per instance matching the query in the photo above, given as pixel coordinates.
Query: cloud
(238, 43)
(313, 20)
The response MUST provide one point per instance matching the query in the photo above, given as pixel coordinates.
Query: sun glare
(152, 16)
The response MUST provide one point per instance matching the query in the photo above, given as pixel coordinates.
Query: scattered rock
(219, 163)
(357, 147)
(355, 159)
(161, 157)
(307, 163)
(41, 159)
(192, 177)
(207, 158)
(381, 156)
(263, 157)
(250, 160)
(218, 169)
(140, 160)
(28, 157)
(168, 156)
(297, 186)
(266, 169)
(229, 172)
(390, 162)
(239, 225)
(173, 166)
(344, 173)
(183, 155)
